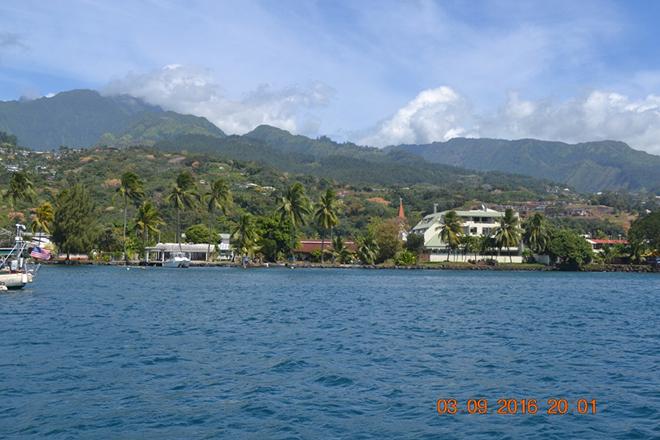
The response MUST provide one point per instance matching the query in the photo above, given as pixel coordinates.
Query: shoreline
(504, 267)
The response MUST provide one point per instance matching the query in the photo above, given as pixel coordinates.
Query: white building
(195, 251)
(475, 222)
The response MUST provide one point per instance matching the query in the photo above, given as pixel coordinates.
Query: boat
(179, 259)
(15, 273)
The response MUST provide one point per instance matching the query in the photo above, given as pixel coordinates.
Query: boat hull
(177, 263)
(15, 280)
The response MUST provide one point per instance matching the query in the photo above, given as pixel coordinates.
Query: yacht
(179, 259)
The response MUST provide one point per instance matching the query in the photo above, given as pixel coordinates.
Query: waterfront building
(195, 251)
(475, 222)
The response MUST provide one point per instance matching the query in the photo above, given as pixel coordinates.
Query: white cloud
(191, 90)
(434, 115)
(441, 113)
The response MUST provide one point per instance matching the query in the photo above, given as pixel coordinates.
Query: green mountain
(345, 162)
(588, 166)
(83, 117)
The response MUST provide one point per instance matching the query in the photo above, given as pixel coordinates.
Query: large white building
(196, 252)
(476, 222)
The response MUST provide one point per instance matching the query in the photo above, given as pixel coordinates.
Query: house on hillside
(598, 244)
(475, 222)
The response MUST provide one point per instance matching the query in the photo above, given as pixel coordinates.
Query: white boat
(179, 259)
(14, 270)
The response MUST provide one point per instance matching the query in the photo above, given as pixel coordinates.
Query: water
(101, 352)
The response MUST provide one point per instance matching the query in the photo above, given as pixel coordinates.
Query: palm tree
(293, 207)
(367, 250)
(147, 219)
(218, 197)
(509, 233)
(470, 245)
(20, 188)
(245, 236)
(183, 195)
(339, 250)
(43, 218)
(130, 189)
(451, 231)
(537, 233)
(325, 215)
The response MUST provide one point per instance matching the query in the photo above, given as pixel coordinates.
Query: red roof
(607, 241)
(309, 246)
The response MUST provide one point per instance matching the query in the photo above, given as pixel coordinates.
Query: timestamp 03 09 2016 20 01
(552, 406)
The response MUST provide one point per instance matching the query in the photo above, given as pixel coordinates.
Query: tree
(74, 222)
(325, 215)
(471, 245)
(508, 234)
(451, 231)
(646, 230)
(415, 243)
(130, 189)
(147, 220)
(43, 218)
(367, 249)
(274, 237)
(569, 249)
(293, 207)
(386, 234)
(245, 236)
(199, 234)
(340, 252)
(405, 258)
(537, 233)
(183, 195)
(20, 188)
(218, 197)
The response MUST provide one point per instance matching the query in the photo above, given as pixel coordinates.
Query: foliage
(274, 237)
(75, 221)
(245, 236)
(405, 258)
(367, 249)
(199, 234)
(325, 215)
(43, 218)
(340, 252)
(415, 243)
(386, 236)
(451, 231)
(508, 234)
(20, 188)
(569, 249)
(147, 220)
(7, 139)
(183, 195)
(537, 233)
(647, 230)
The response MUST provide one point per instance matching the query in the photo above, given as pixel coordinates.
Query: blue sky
(377, 72)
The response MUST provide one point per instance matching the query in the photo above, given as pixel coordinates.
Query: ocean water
(102, 352)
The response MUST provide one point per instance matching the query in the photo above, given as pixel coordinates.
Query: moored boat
(179, 259)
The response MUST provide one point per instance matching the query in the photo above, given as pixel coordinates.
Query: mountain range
(82, 118)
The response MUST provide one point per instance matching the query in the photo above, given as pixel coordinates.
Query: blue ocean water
(102, 352)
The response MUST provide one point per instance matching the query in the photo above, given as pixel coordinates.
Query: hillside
(588, 167)
(82, 117)
(346, 162)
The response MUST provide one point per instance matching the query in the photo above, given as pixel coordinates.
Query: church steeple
(402, 214)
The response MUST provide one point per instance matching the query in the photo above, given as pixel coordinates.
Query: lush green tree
(147, 220)
(130, 190)
(386, 234)
(537, 233)
(415, 243)
(340, 252)
(219, 197)
(199, 234)
(405, 258)
(275, 237)
(293, 207)
(470, 244)
(110, 240)
(245, 236)
(20, 188)
(508, 234)
(569, 249)
(75, 221)
(451, 231)
(325, 215)
(646, 230)
(43, 218)
(183, 195)
(367, 249)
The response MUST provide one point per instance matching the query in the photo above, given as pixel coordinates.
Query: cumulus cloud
(191, 90)
(441, 114)
(434, 115)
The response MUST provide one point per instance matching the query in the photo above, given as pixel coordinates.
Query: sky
(373, 72)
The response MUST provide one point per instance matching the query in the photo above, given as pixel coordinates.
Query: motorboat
(179, 259)
(14, 270)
